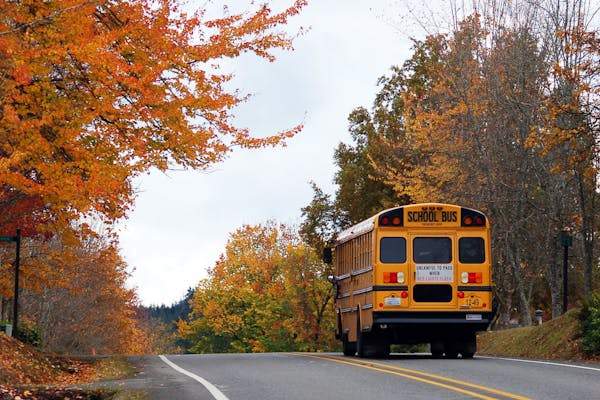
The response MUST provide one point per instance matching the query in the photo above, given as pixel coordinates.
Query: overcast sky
(181, 220)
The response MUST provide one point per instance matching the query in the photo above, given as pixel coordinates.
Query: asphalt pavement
(305, 376)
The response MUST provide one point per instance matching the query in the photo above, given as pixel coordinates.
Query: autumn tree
(498, 113)
(267, 292)
(570, 132)
(361, 189)
(93, 93)
(77, 296)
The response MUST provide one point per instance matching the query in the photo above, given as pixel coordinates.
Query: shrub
(28, 333)
(590, 324)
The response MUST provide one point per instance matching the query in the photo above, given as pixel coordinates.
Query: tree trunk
(586, 208)
(504, 311)
(515, 262)
(554, 278)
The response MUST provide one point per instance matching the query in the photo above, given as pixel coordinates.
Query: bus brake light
(393, 277)
(472, 277)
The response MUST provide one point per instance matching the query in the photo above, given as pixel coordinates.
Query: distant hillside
(170, 314)
(162, 322)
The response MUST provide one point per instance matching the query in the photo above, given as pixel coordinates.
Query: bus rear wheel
(437, 349)
(451, 349)
(383, 350)
(349, 348)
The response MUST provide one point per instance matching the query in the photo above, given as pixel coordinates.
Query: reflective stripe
(475, 288)
(381, 288)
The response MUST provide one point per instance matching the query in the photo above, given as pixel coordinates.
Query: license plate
(434, 273)
(392, 301)
(473, 317)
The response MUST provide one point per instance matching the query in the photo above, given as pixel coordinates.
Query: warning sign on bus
(434, 272)
(431, 215)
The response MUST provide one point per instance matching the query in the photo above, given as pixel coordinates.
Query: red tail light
(475, 277)
(470, 217)
(460, 295)
(404, 295)
(392, 217)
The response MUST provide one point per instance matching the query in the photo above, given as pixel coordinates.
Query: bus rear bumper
(429, 326)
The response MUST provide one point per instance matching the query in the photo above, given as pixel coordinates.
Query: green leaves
(268, 292)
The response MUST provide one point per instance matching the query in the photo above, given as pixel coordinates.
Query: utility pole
(17, 240)
(17, 267)
(566, 241)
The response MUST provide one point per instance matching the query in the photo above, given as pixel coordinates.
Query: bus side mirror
(327, 255)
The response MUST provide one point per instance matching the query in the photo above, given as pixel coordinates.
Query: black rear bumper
(429, 326)
(409, 318)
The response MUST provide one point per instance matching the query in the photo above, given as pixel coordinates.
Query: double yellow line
(455, 385)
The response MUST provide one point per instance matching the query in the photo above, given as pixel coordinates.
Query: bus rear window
(392, 250)
(471, 250)
(432, 250)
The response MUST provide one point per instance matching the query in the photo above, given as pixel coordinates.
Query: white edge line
(542, 362)
(216, 393)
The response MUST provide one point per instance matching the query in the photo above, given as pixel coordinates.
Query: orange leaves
(21, 75)
(97, 93)
(266, 293)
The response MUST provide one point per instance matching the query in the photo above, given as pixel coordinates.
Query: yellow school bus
(419, 273)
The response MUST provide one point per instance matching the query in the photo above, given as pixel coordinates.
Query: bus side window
(471, 250)
(392, 250)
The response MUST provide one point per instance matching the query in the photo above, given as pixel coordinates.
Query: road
(305, 376)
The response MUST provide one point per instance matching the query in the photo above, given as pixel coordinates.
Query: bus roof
(368, 224)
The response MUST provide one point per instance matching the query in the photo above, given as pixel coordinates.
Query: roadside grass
(116, 368)
(559, 338)
(113, 368)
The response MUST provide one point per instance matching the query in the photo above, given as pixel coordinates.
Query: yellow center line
(441, 378)
(410, 374)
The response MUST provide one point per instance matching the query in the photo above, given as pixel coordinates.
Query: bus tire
(348, 347)
(468, 348)
(451, 349)
(383, 350)
(452, 354)
(437, 349)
